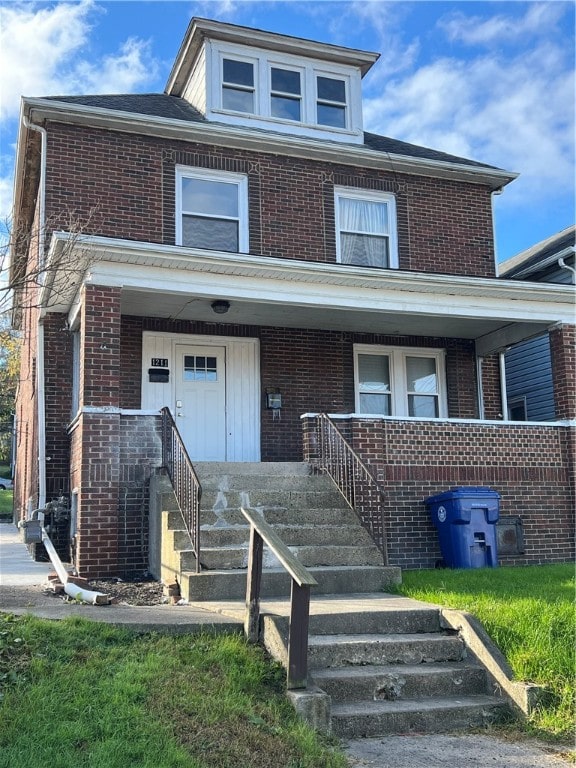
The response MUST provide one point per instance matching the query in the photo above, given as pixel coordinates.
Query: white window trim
(399, 394)
(263, 61)
(304, 108)
(371, 196)
(208, 174)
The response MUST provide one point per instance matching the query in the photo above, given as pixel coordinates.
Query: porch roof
(175, 282)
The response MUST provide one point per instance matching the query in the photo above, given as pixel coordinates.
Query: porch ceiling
(181, 283)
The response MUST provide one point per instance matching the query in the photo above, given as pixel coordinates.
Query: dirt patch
(131, 592)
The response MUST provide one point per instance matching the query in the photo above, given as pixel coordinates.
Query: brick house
(238, 238)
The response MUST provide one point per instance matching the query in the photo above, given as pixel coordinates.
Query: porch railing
(185, 482)
(261, 532)
(353, 478)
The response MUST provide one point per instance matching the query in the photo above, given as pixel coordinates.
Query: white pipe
(480, 388)
(494, 244)
(503, 391)
(40, 393)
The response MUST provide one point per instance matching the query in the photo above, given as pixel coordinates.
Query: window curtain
(364, 232)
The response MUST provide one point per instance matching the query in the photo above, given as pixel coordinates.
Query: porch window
(400, 381)
(212, 210)
(366, 228)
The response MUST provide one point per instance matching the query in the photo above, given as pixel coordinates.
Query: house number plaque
(159, 362)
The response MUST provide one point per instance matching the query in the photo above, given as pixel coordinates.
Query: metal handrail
(353, 479)
(302, 580)
(184, 479)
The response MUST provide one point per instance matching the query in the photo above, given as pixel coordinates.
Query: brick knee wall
(531, 467)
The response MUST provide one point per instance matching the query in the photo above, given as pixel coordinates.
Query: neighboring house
(239, 240)
(529, 379)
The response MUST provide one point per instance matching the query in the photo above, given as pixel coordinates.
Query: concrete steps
(306, 510)
(388, 666)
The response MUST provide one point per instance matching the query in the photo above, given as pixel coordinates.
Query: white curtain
(364, 232)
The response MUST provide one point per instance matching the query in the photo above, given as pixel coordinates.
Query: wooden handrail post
(298, 636)
(252, 620)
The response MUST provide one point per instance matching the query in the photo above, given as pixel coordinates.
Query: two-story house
(239, 250)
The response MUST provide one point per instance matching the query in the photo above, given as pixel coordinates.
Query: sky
(490, 81)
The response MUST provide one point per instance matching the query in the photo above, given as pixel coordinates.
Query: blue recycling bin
(466, 522)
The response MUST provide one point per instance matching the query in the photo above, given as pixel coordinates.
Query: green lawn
(529, 613)
(6, 505)
(84, 695)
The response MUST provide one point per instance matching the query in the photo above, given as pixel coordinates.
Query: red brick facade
(122, 185)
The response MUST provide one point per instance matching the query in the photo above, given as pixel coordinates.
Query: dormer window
(261, 88)
(238, 85)
(331, 104)
(285, 94)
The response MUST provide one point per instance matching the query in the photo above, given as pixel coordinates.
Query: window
(331, 102)
(400, 381)
(200, 368)
(285, 94)
(517, 410)
(238, 85)
(212, 210)
(290, 93)
(366, 228)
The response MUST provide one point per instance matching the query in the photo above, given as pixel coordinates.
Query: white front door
(200, 389)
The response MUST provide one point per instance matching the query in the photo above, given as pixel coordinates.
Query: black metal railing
(187, 488)
(297, 651)
(353, 478)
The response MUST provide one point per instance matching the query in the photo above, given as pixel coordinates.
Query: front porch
(530, 465)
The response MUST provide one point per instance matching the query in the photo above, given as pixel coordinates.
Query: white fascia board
(262, 279)
(257, 140)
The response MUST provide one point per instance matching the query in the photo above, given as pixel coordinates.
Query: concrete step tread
(313, 569)
(437, 704)
(375, 670)
(372, 639)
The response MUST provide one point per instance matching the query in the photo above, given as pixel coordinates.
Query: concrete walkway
(21, 592)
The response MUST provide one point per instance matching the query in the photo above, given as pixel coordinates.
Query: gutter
(40, 390)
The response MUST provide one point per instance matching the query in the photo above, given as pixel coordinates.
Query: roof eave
(260, 140)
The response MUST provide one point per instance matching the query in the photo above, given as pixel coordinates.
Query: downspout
(503, 392)
(40, 394)
(562, 264)
(493, 212)
(480, 387)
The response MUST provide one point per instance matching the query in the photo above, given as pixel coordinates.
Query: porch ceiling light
(220, 306)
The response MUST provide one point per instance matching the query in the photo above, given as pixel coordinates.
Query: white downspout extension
(41, 405)
(503, 392)
(480, 387)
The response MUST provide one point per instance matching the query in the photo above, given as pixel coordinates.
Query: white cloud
(539, 20)
(46, 51)
(41, 53)
(515, 111)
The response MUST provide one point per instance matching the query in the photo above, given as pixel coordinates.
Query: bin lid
(462, 492)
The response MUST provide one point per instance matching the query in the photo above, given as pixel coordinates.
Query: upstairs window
(331, 103)
(285, 94)
(238, 85)
(366, 228)
(212, 210)
(400, 381)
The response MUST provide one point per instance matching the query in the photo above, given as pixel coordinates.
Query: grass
(5, 496)
(529, 613)
(79, 694)
(6, 500)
